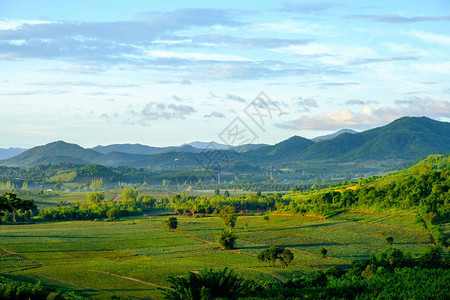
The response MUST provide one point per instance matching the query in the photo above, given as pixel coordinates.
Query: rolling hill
(333, 135)
(53, 153)
(143, 149)
(404, 139)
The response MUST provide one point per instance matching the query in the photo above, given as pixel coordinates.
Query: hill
(404, 139)
(210, 145)
(333, 135)
(10, 152)
(53, 153)
(143, 149)
(127, 148)
(366, 152)
(279, 152)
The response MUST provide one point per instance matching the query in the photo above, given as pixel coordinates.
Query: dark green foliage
(172, 223)
(113, 213)
(387, 275)
(226, 239)
(93, 211)
(323, 252)
(390, 240)
(272, 254)
(15, 290)
(423, 189)
(129, 194)
(10, 203)
(95, 197)
(209, 284)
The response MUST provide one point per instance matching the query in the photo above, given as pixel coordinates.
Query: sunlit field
(134, 256)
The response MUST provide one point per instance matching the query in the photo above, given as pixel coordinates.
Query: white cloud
(195, 56)
(443, 67)
(369, 116)
(329, 53)
(405, 49)
(430, 37)
(7, 24)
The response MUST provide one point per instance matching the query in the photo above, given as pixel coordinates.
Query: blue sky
(170, 72)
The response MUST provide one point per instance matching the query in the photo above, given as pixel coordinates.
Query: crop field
(134, 256)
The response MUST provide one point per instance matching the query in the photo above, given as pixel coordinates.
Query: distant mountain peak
(333, 135)
(207, 145)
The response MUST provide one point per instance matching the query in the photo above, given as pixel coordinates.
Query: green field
(134, 256)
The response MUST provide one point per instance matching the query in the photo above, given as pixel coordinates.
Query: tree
(25, 185)
(228, 216)
(286, 257)
(113, 213)
(390, 240)
(324, 252)
(58, 185)
(266, 218)
(226, 239)
(11, 203)
(208, 284)
(96, 184)
(129, 194)
(172, 223)
(272, 254)
(226, 194)
(95, 197)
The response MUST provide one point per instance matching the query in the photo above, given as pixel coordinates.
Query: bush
(208, 284)
(226, 239)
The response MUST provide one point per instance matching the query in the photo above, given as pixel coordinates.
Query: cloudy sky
(168, 72)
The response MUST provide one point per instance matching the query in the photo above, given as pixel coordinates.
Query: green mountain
(143, 149)
(116, 159)
(278, 152)
(333, 135)
(404, 139)
(53, 153)
(127, 148)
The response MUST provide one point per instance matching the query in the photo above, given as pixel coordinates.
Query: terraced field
(134, 256)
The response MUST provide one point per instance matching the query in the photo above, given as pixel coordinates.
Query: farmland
(135, 255)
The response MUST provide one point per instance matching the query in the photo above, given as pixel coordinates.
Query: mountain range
(404, 139)
(10, 152)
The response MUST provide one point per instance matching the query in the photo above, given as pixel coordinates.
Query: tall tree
(10, 202)
(228, 216)
(172, 223)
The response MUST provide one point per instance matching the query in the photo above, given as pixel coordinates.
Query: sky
(171, 72)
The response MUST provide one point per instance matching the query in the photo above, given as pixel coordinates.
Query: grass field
(134, 256)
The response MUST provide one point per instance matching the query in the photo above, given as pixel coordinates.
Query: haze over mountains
(404, 139)
(10, 152)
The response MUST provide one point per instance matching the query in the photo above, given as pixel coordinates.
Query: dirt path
(69, 283)
(131, 278)
(21, 257)
(268, 273)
